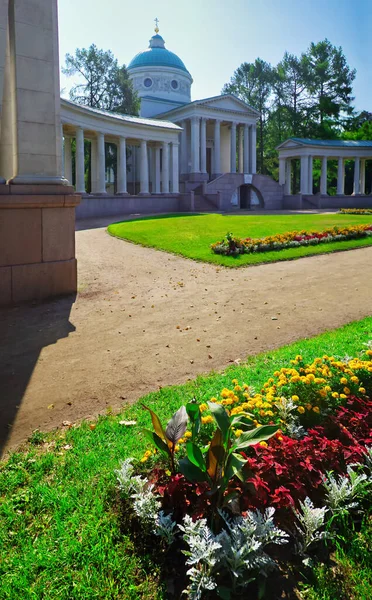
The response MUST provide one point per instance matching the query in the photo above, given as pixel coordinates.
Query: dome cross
(156, 25)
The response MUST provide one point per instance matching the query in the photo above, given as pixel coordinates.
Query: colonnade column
(340, 177)
(310, 180)
(233, 148)
(362, 176)
(282, 171)
(323, 177)
(68, 160)
(93, 166)
(246, 149)
(157, 170)
(122, 167)
(253, 149)
(184, 158)
(203, 145)
(165, 169)
(144, 169)
(288, 177)
(195, 144)
(79, 161)
(175, 170)
(240, 149)
(304, 175)
(217, 147)
(356, 189)
(101, 167)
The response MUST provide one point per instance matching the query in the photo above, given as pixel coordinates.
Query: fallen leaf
(66, 423)
(92, 426)
(67, 447)
(50, 406)
(128, 423)
(274, 318)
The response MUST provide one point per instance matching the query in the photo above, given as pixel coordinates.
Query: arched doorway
(250, 197)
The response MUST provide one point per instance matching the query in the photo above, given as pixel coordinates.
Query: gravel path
(144, 319)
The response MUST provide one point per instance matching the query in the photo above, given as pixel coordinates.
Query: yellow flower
(238, 432)
(301, 410)
(203, 407)
(188, 434)
(323, 393)
(207, 419)
(235, 381)
(213, 399)
(309, 406)
(299, 357)
(263, 444)
(343, 380)
(295, 398)
(316, 409)
(362, 390)
(343, 396)
(335, 394)
(346, 390)
(354, 379)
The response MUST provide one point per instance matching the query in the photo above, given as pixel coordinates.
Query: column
(253, 149)
(79, 162)
(165, 170)
(356, 176)
(233, 148)
(304, 175)
(195, 145)
(101, 164)
(157, 170)
(246, 149)
(175, 171)
(323, 177)
(217, 147)
(3, 45)
(203, 145)
(122, 167)
(282, 172)
(288, 177)
(340, 177)
(310, 184)
(240, 149)
(93, 166)
(68, 160)
(184, 157)
(362, 176)
(144, 169)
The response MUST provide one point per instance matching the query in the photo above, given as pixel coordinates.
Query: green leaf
(234, 466)
(216, 454)
(221, 417)
(250, 438)
(191, 471)
(177, 425)
(159, 443)
(192, 409)
(195, 456)
(156, 423)
(242, 421)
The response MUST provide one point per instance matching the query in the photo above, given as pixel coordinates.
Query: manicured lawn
(191, 236)
(60, 530)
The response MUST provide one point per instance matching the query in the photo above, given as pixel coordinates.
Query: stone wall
(113, 205)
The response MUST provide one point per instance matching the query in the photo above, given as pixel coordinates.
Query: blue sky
(213, 37)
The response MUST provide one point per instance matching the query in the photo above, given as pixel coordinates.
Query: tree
(103, 83)
(252, 82)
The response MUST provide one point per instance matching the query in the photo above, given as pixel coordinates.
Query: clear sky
(213, 37)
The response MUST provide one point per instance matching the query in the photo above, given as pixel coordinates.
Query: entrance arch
(250, 197)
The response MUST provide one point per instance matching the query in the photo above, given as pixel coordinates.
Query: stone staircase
(204, 204)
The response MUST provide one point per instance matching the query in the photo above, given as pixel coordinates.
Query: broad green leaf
(192, 409)
(191, 471)
(243, 422)
(215, 455)
(177, 425)
(159, 443)
(221, 417)
(250, 438)
(156, 423)
(195, 455)
(234, 466)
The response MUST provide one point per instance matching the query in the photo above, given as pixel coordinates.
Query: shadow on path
(24, 332)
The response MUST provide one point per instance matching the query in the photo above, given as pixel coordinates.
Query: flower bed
(356, 211)
(232, 479)
(231, 245)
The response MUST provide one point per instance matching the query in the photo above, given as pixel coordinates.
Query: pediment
(290, 144)
(228, 102)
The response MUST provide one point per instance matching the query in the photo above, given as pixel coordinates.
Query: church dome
(156, 55)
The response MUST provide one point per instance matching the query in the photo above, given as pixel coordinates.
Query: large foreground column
(323, 177)
(362, 176)
(340, 177)
(304, 175)
(356, 189)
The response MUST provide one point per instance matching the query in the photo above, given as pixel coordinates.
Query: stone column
(356, 189)
(144, 169)
(157, 170)
(310, 184)
(93, 166)
(101, 164)
(203, 145)
(240, 149)
(340, 177)
(362, 176)
(165, 169)
(68, 159)
(217, 148)
(288, 177)
(175, 170)
(79, 162)
(282, 173)
(323, 177)
(304, 174)
(184, 158)
(253, 149)
(233, 148)
(3, 44)
(195, 145)
(122, 167)
(246, 149)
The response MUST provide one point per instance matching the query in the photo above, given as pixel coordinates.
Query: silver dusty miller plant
(343, 492)
(287, 411)
(310, 522)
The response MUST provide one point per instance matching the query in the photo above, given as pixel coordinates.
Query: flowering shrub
(356, 211)
(231, 245)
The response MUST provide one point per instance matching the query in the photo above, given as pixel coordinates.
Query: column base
(144, 194)
(38, 180)
(121, 194)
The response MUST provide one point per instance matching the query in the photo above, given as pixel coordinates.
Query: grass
(192, 235)
(60, 532)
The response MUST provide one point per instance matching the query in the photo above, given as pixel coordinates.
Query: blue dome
(157, 56)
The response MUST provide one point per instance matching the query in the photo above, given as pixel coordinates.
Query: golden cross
(157, 25)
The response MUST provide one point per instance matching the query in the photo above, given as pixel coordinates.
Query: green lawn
(60, 531)
(192, 235)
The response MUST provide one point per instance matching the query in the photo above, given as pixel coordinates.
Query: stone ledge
(38, 201)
